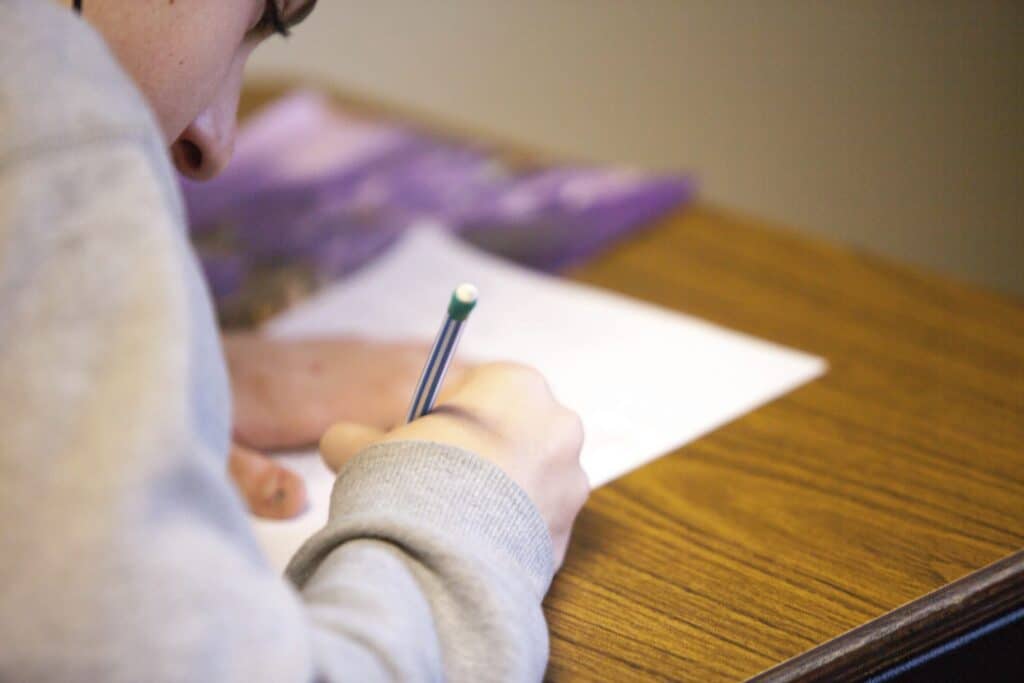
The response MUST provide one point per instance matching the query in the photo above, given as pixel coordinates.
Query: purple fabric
(313, 194)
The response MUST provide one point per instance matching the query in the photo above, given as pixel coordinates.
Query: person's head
(187, 58)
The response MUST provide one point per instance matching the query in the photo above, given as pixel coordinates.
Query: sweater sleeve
(463, 533)
(126, 554)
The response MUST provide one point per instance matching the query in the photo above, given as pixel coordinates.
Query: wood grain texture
(913, 629)
(898, 472)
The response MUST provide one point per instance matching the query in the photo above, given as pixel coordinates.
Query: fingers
(344, 440)
(453, 381)
(270, 490)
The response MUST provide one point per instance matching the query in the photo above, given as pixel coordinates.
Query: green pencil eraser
(463, 300)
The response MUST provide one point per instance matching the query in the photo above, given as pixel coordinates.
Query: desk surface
(898, 472)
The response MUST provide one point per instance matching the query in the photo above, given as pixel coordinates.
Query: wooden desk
(897, 473)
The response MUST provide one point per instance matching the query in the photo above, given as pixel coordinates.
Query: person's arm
(126, 554)
(434, 565)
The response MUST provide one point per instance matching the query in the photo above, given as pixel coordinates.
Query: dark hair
(78, 6)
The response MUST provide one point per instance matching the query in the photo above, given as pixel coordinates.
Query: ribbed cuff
(401, 490)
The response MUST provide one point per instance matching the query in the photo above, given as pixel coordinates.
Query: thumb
(270, 490)
(344, 439)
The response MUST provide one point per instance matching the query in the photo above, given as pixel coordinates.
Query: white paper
(645, 380)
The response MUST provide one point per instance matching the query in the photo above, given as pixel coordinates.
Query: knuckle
(574, 429)
(527, 372)
(523, 374)
(506, 366)
(576, 425)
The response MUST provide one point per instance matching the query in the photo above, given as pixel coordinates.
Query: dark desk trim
(912, 629)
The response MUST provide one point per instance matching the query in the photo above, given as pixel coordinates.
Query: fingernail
(273, 491)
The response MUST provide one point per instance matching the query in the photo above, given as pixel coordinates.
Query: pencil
(459, 307)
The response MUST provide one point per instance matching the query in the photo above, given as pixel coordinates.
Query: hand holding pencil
(505, 413)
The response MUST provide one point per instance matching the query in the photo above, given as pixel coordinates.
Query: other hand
(287, 393)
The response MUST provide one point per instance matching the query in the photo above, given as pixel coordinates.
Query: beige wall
(893, 125)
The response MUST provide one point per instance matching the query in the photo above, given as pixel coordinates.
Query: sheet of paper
(645, 380)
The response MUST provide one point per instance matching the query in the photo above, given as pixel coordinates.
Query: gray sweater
(125, 552)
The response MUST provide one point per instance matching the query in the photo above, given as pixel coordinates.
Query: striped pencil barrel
(427, 389)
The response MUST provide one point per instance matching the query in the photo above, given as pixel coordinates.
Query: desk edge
(909, 630)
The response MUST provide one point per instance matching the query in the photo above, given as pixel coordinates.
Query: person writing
(126, 552)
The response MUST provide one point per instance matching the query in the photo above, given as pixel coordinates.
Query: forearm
(435, 560)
